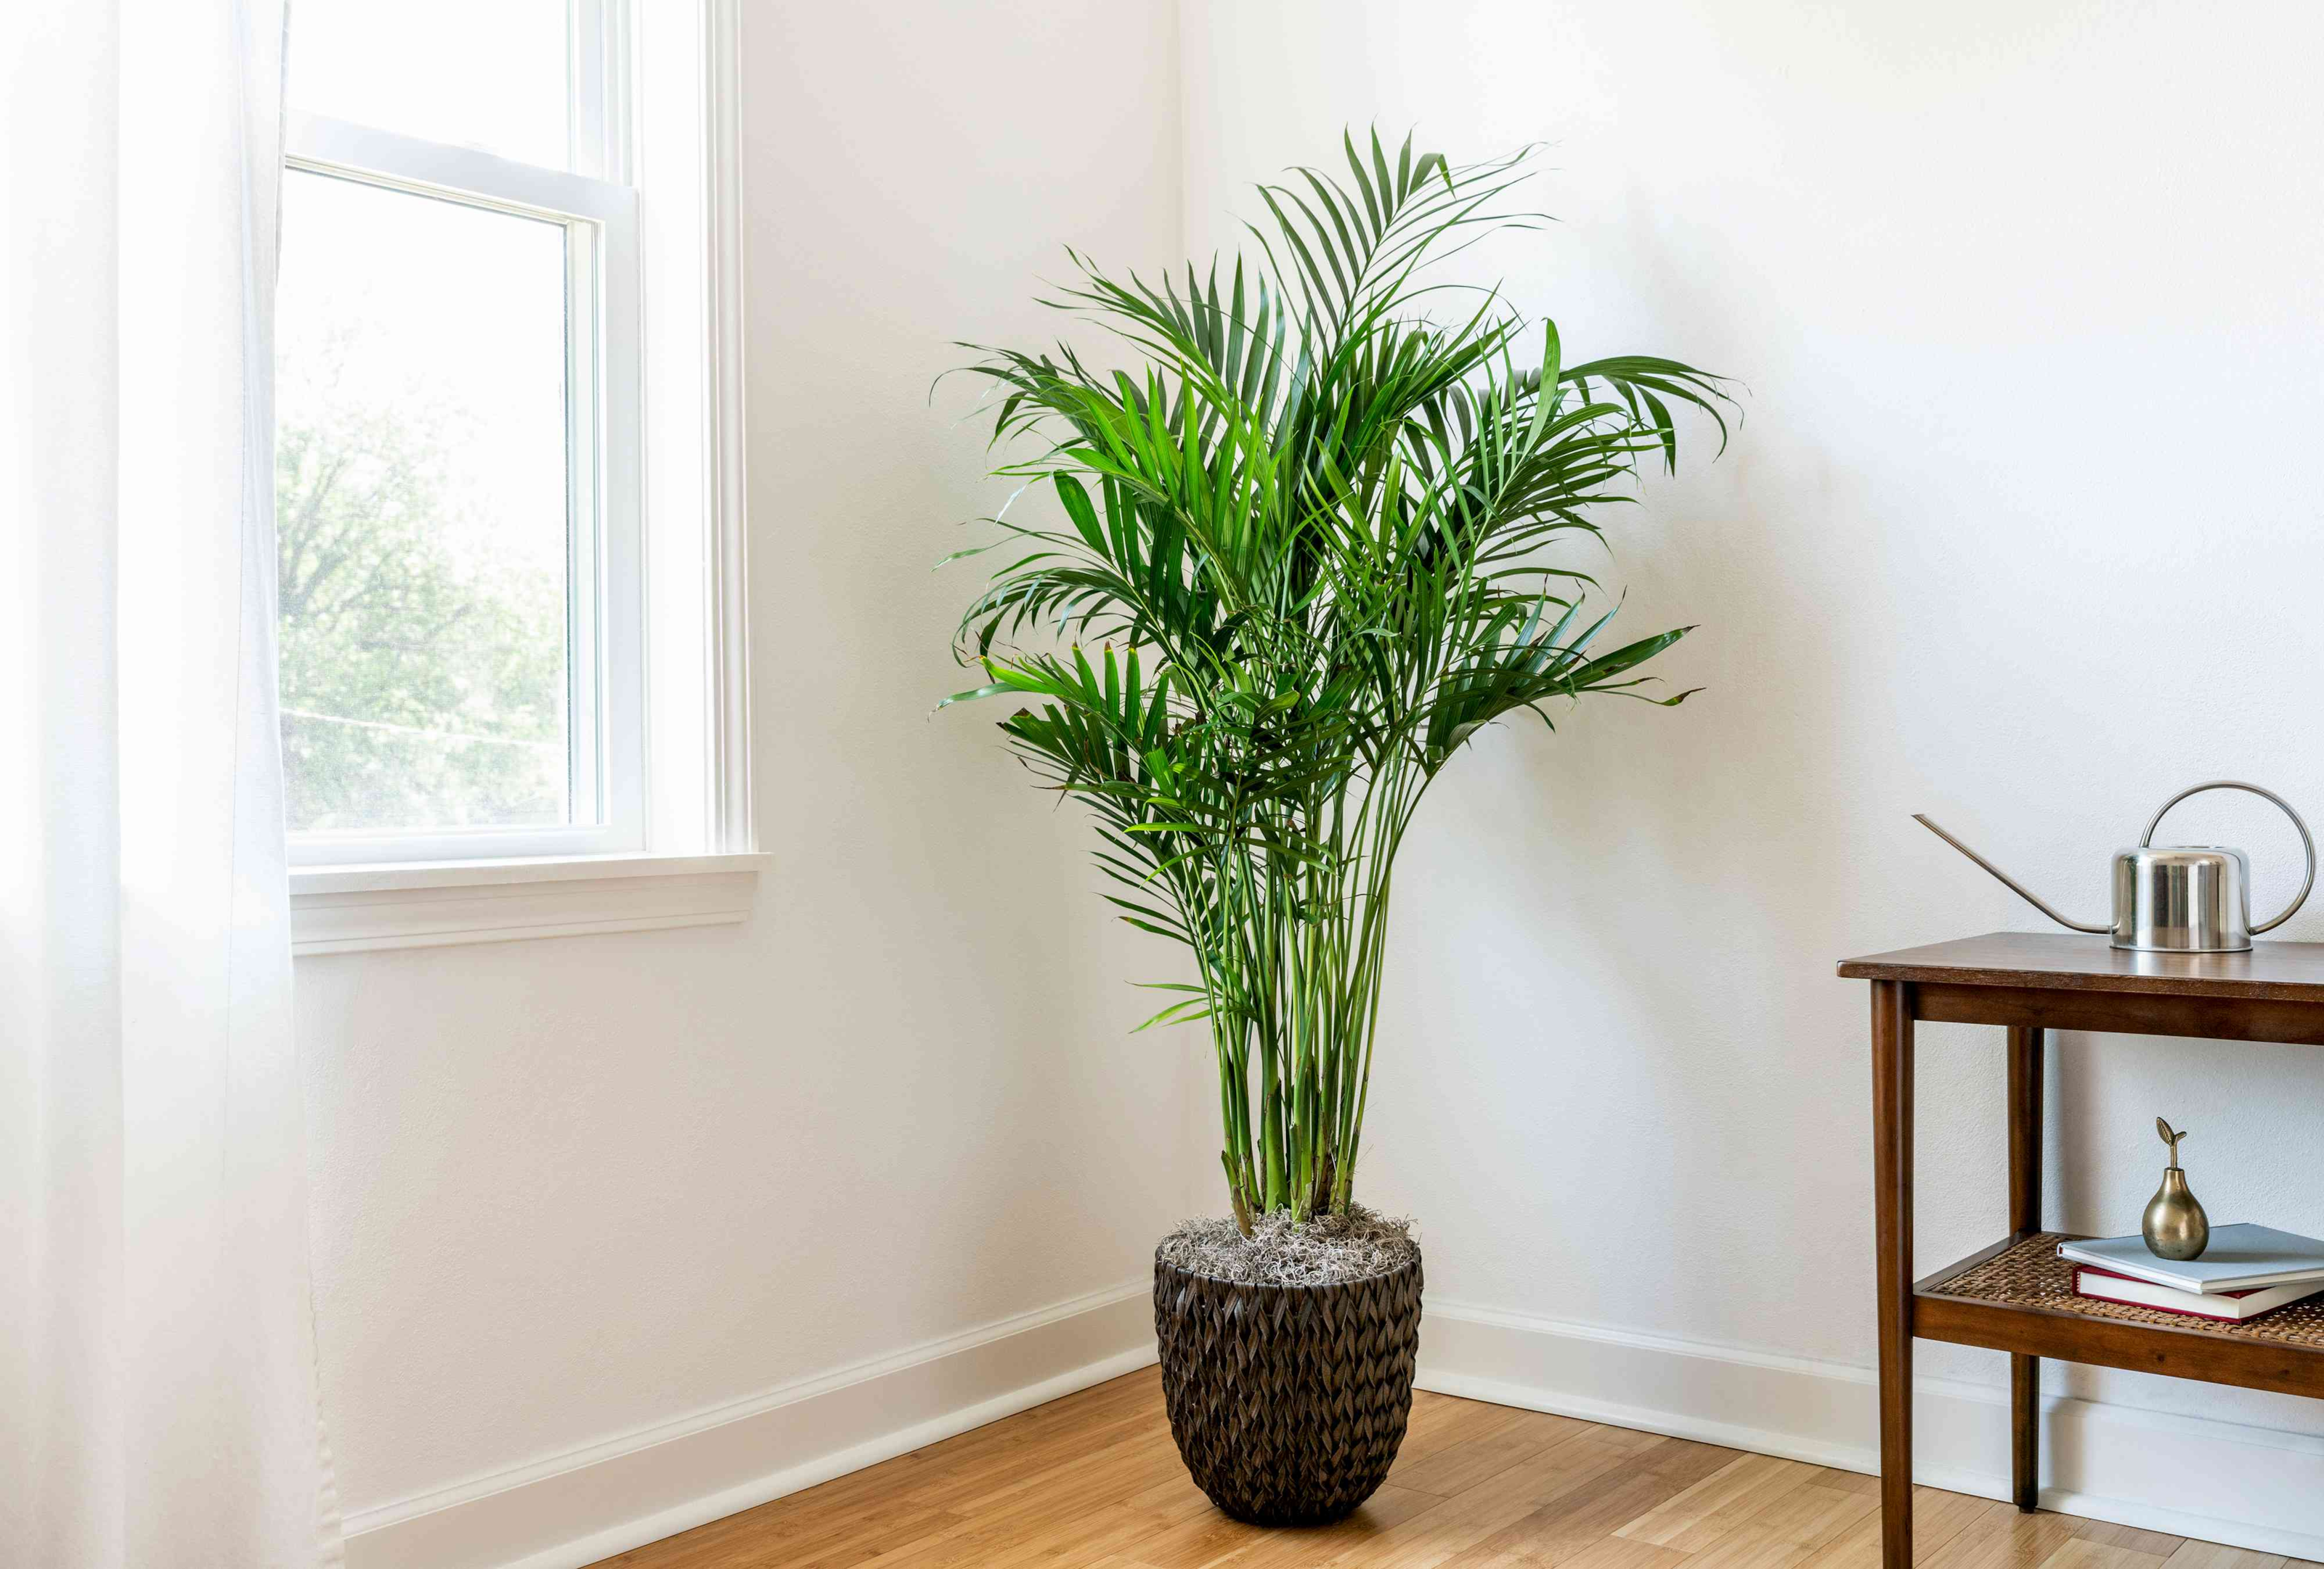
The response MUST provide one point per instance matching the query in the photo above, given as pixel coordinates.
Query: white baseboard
(574, 1509)
(2154, 1471)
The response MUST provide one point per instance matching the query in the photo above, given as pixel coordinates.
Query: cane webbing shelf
(2029, 1276)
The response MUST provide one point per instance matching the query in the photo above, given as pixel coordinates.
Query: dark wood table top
(2069, 962)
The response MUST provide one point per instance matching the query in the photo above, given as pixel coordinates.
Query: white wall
(2020, 529)
(576, 1194)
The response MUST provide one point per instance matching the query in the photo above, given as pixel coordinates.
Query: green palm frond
(1307, 549)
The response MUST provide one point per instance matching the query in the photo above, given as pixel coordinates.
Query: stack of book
(2247, 1271)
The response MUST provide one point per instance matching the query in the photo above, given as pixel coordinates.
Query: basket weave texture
(1288, 1402)
(2032, 1275)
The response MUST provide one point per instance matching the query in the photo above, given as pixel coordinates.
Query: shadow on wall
(1604, 927)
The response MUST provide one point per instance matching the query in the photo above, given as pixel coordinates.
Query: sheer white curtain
(158, 1401)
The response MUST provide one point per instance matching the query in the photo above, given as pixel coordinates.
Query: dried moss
(1325, 1249)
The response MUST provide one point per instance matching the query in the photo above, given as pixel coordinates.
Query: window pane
(422, 494)
(482, 73)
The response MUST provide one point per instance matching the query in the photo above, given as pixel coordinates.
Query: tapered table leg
(2025, 1054)
(1892, 1181)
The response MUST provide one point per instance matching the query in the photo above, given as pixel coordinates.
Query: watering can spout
(2008, 882)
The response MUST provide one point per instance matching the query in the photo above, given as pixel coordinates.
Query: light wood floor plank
(1439, 1424)
(1562, 1480)
(1937, 1519)
(1610, 1553)
(2001, 1538)
(1720, 1502)
(1458, 1467)
(2082, 1552)
(1846, 1480)
(2108, 1534)
(2211, 1556)
(1585, 1513)
(1094, 1482)
(1256, 1548)
(1788, 1530)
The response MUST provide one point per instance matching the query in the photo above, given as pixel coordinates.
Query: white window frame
(655, 130)
(604, 564)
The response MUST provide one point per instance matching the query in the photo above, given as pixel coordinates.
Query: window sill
(347, 910)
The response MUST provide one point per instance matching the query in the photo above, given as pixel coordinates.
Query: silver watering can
(2174, 899)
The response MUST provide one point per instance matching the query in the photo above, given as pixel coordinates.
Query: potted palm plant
(1306, 551)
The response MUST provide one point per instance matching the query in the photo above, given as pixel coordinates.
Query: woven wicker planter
(1287, 1402)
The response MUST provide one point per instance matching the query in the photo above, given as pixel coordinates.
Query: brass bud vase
(2175, 1226)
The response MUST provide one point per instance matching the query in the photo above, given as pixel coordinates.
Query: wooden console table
(2016, 1296)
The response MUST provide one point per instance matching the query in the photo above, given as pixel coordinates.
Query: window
(469, 510)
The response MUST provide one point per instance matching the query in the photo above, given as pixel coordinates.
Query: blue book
(2241, 1258)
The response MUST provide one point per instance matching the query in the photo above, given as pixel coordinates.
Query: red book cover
(2082, 1269)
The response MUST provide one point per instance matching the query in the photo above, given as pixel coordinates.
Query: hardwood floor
(1092, 1482)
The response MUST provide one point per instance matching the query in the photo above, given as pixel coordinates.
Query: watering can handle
(2306, 843)
(2011, 883)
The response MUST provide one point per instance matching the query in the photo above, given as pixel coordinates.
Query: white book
(2241, 1258)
